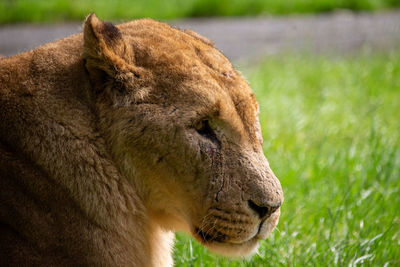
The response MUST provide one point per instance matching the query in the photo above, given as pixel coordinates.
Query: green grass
(60, 10)
(332, 135)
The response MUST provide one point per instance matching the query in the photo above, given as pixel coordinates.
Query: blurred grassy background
(64, 10)
(332, 135)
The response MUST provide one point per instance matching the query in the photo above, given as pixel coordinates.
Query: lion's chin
(226, 248)
(244, 249)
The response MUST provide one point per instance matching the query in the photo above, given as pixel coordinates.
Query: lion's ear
(104, 49)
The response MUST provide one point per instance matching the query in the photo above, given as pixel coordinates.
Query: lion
(115, 138)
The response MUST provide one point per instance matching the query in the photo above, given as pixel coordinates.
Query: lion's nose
(264, 211)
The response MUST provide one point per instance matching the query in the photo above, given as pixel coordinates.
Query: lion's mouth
(242, 242)
(216, 237)
(261, 232)
(225, 245)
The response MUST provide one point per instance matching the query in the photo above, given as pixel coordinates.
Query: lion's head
(183, 126)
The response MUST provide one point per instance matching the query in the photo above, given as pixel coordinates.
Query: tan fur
(113, 139)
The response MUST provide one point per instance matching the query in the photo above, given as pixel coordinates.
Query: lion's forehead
(158, 45)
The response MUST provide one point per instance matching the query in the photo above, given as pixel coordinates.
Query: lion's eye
(204, 129)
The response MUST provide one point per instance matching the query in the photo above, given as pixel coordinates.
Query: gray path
(252, 38)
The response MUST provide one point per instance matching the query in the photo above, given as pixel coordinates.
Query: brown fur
(113, 139)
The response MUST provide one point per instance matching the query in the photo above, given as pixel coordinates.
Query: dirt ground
(243, 39)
